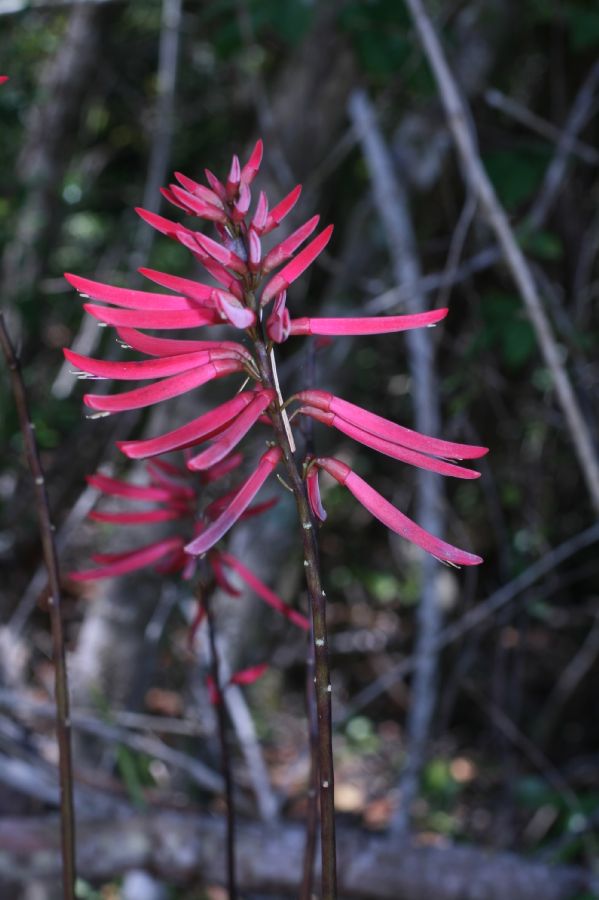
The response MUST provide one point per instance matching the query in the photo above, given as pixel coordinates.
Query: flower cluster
(249, 293)
(176, 494)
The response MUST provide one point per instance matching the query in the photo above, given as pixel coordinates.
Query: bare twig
(570, 678)
(63, 724)
(479, 614)
(510, 107)
(475, 174)
(393, 208)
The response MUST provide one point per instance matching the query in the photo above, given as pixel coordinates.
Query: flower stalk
(225, 758)
(61, 688)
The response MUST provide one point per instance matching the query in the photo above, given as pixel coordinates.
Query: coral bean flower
(247, 289)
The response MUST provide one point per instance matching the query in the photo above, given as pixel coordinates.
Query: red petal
(231, 436)
(313, 491)
(278, 212)
(258, 223)
(233, 178)
(198, 292)
(156, 346)
(197, 206)
(167, 319)
(188, 435)
(370, 325)
(278, 323)
(164, 226)
(254, 251)
(130, 562)
(140, 300)
(297, 266)
(250, 170)
(287, 248)
(240, 502)
(386, 513)
(221, 254)
(232, 311)
(147, 368)
(248, 676)
(199, 190)
(164, 389)
(391, 431)
(242, 204)
(395, 451)
(216, 185)
(136, 518)
(114, 487)
(265, 592)
(219, 470)
(219, 575)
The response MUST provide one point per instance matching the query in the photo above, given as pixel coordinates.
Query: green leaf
(516, 174)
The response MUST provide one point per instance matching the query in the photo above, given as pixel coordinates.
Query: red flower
(234, 259)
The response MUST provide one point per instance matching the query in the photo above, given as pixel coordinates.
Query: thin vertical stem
(317, 600)
(63, 722)
(312, 813)
(224, 749)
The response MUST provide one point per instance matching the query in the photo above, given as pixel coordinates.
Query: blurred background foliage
(81, 116)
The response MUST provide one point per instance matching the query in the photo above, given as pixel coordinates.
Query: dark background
(93, 122)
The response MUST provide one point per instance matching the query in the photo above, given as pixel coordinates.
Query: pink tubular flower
(386, 513)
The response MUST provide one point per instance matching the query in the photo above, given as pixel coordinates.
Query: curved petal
(164, 389)
(130, 561)
(395, 520)
(297, 266)
(163, 318)
(192, 433)
(237, 506)
(129, 299)
(265, 592)
(231, 436)
(368, 325)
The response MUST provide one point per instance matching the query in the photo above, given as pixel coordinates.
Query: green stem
(63, 721)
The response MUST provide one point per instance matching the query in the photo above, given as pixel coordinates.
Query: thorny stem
(224, 748)
(63, 722)
(318, 613)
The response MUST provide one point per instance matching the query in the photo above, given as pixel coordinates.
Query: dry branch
(459, 120)
(181, 848)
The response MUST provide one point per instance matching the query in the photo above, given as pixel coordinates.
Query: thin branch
(478, 615)
(61, 688)
(393, 207)
(520, 113)
(476, 176)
